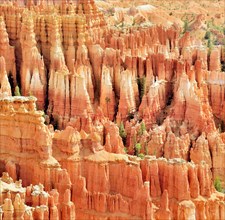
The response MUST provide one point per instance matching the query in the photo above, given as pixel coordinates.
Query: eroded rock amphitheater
(113, 114)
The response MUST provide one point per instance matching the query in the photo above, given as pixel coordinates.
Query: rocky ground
(112, 110)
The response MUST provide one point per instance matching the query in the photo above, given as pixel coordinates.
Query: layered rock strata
(143, 91)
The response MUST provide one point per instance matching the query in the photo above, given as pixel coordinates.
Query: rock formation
(31, 202)
(33, 78)
(8, 53)
(5, 88)
(129, 122)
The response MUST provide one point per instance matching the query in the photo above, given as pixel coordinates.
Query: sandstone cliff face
(127, 97)
(5, 88)
(58, 78)
(8, 53)
(216, 82)
(18, 114)
(107, 99)
(154, 101)
(33, 78)
(142, 91)
(97, 177)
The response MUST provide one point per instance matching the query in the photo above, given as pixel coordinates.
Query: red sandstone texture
(113, 123)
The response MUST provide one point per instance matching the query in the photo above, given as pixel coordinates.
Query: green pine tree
(217, 184)
(142, 128)
(137, 148)
(122, 133)
(17, 91)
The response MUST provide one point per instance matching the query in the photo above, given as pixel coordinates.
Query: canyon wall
(112, 123)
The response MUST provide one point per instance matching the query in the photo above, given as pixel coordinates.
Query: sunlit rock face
(108, 121)
(5, 88)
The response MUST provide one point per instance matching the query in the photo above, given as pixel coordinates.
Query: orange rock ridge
(87, 80)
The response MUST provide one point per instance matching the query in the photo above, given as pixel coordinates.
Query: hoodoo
(112, 110)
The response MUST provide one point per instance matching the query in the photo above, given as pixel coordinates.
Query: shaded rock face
(145, 91)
